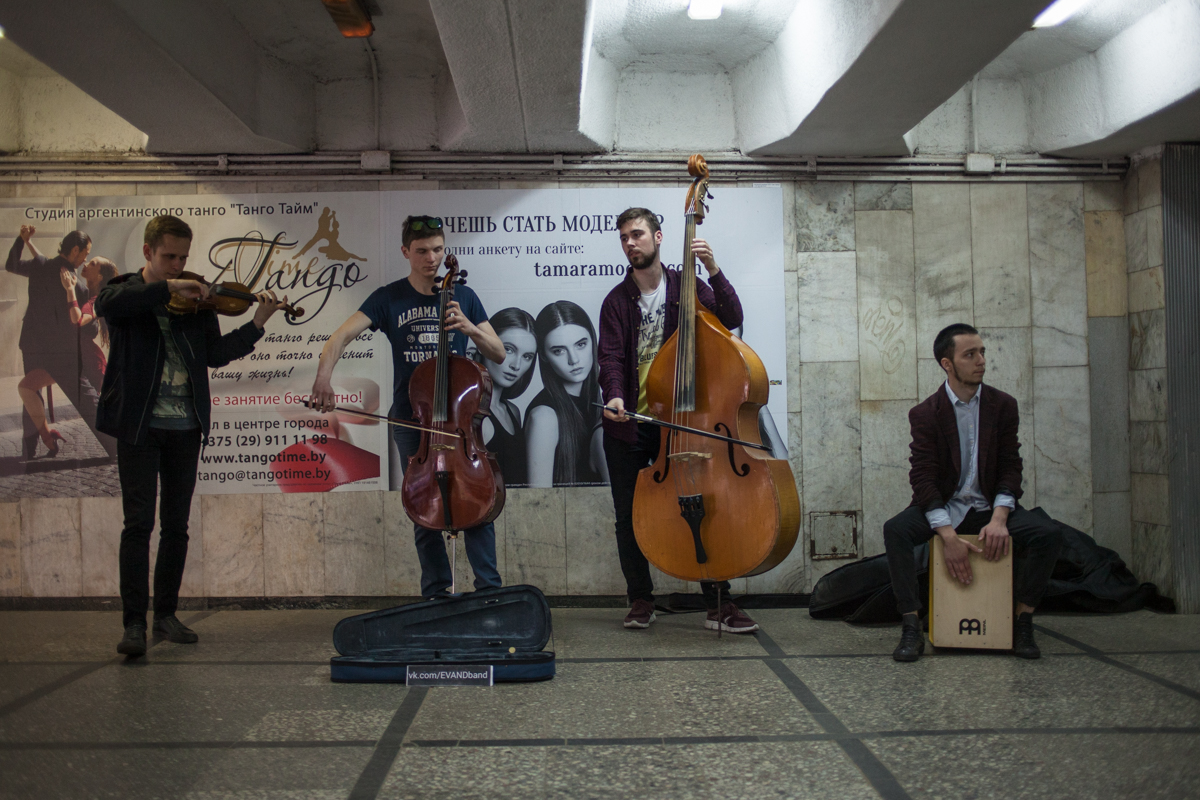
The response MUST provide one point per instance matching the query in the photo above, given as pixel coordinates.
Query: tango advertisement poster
(541, 262)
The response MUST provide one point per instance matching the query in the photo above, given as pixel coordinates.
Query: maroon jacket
(619, 321)
(936, 455)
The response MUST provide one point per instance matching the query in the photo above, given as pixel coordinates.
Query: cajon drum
(979, 615)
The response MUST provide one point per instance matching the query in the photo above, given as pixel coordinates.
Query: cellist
(636, 318)
(407, 312)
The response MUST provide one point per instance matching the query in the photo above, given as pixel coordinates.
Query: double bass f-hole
(660, 476)
(742, 471)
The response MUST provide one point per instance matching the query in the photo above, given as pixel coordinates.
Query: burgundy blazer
(936, 457)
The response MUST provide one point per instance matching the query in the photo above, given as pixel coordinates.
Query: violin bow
(643, 418)
(388, 420)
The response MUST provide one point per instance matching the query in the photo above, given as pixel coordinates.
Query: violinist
(636, 318)
(155, 401)
(407, 312)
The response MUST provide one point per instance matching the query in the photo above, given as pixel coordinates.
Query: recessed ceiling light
(1058, 12)
(1, 33)
(704, 9)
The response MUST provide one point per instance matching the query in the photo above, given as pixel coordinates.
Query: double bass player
(636, 318)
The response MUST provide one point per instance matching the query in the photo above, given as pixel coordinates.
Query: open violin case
(506, 628)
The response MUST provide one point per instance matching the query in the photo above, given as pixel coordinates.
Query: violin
(716, 504)
(452, 483)
(227, 298)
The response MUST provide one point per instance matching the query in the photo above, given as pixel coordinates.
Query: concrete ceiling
(769, 77)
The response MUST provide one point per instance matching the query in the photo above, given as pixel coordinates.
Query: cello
(452, 483)
(715, 505)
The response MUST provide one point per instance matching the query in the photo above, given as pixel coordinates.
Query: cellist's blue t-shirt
(410, 321)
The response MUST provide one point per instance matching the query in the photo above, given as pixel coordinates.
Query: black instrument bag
(505, 628)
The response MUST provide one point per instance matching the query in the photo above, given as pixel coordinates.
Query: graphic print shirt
(653, 308)
(410, 321)
(173, 408)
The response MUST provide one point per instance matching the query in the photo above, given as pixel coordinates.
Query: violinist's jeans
(625, 460)
(431, 546)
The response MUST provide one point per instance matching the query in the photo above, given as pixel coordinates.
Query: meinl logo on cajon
(970, 626)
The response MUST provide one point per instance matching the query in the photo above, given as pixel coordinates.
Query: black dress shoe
(1023, 644)
(912, 644)
(171, 629)
(133, 643)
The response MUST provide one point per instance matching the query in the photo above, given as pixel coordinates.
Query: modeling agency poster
(541, 262)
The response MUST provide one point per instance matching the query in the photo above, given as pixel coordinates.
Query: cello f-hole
(742, 471)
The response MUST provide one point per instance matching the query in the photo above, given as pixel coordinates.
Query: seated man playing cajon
(966, 479)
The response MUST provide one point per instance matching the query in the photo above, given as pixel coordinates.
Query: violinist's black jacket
(136, 355)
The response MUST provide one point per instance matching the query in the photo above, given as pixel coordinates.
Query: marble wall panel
(824, 216)
(1148, 447)
(1149, 499)
(1010, 361)
(233, 545)
(1111, 525)
(1150, 183)
(827, 290)
(885, 440)
(791, 575)
(101, 520)
(1148, 339)
(930, 377)
(881, 196)
(1062, 439)
(887, 329)
(1103, 196)
(1130, 185)
(193, 572)
(294, 544)
(942, 254)
(1148, 395)
(789, 227)
(1026, 438)
(1152, 560)
(1057, 274)
(354, 551)
(1146, 290)
(1000, 254)
(51, 560)
(592, 563)
(1154, 236)
(10, 549)
(536, 538)
(1104, 248)
(1137, 256)
(791, 336)
(402, 571)
(832, 440)
(164, 188)
(1108, 346)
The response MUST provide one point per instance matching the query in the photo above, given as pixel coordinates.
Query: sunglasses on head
(417, 224)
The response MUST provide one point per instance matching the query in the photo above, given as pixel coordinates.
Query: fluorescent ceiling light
(1, 33)
(704, 9)
(1058, 13)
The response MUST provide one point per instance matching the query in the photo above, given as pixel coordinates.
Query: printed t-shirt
(410, 321)
(653, 308)
(173, 408)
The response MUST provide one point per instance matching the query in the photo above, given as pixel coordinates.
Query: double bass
(452, 483)
(715, 505)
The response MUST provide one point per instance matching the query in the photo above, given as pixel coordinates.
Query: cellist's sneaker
(730, 619)
(641, 615)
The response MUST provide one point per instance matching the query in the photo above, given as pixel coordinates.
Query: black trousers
(169, 456)
(1035, 544)
(625, 460)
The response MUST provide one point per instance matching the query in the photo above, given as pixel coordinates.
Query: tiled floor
(804, 709)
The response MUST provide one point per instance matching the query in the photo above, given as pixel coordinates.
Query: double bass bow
(715, 505)
(452, 483)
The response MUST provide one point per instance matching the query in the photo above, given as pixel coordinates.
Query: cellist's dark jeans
(625, 460)
(480, 542)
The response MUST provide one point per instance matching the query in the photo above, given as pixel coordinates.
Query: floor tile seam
(379, 766)
(233, 744)
(1099, 655)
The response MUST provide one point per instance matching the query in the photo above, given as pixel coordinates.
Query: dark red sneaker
(641, 615)
(732, 620)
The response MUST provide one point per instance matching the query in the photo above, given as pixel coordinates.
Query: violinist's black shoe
(133, 643)
(171, 629)
(912, 640)
(1023, 644)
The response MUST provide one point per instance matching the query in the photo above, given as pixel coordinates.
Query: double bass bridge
(688, 455)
